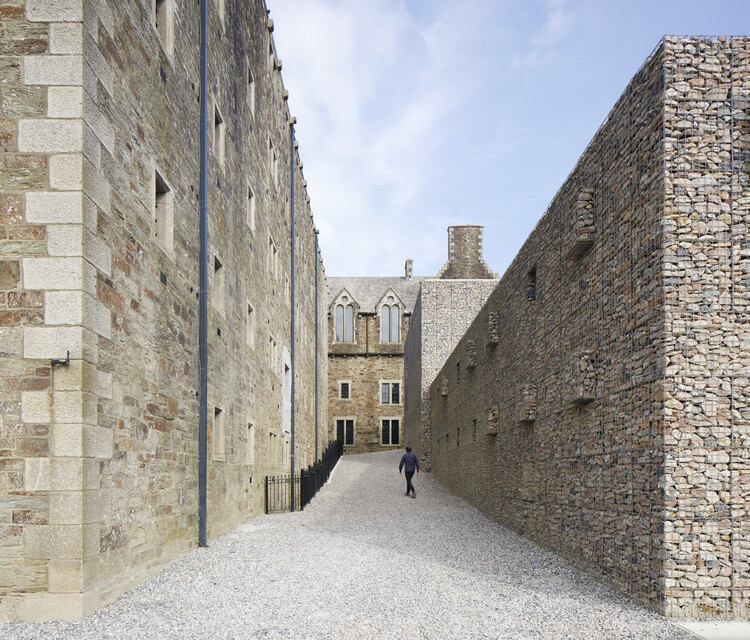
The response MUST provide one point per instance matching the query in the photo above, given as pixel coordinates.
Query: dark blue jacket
(409, 460)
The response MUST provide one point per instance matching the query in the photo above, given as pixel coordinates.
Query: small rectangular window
(219, 130)
(273, 258)
(390, 393)
(389, 431)
(218, 285)
(218, 433)
(531, 285)
(251, 208)
(250, 457)
(163, 212)
(345, 431)
(344, 390)
(162, 17)
(273, 163)
(250, 91)
(250, 325)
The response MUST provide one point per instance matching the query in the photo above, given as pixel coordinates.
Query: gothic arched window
(390, 321)
(344, 321)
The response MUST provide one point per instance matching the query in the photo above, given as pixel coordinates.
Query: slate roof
(367, 292)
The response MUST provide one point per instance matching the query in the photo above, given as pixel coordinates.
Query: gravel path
(364, 561)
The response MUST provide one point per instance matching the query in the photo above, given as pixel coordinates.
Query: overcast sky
(414, 115)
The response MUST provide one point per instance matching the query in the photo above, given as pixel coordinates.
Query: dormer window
(390, 321)
(344, 320)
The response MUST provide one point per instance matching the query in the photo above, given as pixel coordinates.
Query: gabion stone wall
(599, 402)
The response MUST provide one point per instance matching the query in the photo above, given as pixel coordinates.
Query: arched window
(390, 321)
(344, 321)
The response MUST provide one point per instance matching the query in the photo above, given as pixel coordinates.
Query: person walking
(410, 464)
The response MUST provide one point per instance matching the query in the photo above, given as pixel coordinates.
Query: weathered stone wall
(706, 475)
(443, 312)
(598, 402)
(99, 114)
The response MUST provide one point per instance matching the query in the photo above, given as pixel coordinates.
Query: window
(344, 321)
(218, 433)
(273, 258)
(162, 17)
(221, 8)
(163, 212)
(345, 430)
(273, 353)
(390, 393)
(250, 453)
(273, 163)
(271, 57)
(250, 91)
(218, 286)
(250, 208)
(250, 326)
(344, 390)
(531, 285)
(287, 291)
(390, 321)
(219, 129)
(389, 431)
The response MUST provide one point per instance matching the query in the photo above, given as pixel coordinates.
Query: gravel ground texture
(364, 561)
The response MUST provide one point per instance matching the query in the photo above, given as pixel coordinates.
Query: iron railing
(305, 486)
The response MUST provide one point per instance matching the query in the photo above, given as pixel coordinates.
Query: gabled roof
(367, 292)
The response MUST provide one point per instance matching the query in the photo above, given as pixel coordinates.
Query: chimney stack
(409, 269)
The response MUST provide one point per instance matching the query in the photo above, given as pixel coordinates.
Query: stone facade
(607, 416)
(363, 360)
(443, 311)
(99, 179)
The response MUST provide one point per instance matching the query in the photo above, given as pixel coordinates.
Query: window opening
(390, 393)
(218, 292)
(162, 16)
(531, 285)
(344, 391)
(389, 431)
(218, 432)
(250, 91)
(219, 128)
(250, 444)
(163, 212)
(250, 208)
(390, 321)
(250, 325)
(345, 431)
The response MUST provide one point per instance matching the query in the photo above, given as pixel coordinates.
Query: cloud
(556, 27)
(373, 86)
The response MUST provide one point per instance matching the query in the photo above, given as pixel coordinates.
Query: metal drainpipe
(294, 167)
(316, 344)
(203, 278)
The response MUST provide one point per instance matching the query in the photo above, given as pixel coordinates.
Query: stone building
(99, 181)
(600, 401)
(368, 321)
(445, 308)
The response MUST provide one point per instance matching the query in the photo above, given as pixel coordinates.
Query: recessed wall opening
(219, 128)
(250, 91)
(531, 285)
(218, 288)
(250, 208)
(218, 432)
(250, 325)
(163, 212)
(162, 17)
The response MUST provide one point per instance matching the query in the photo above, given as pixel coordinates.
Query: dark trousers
(409, 486)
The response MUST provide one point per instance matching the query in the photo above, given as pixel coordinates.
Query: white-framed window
(250, 335)
(217, 291)
(162, 18)
(218, 434)
(390, 393)
(163, 213)
(344, 320)
(250, 90)
(390, 431)
(345, 389)
(219, 132)
(250, 208)
(345, 430)
(390, 321)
